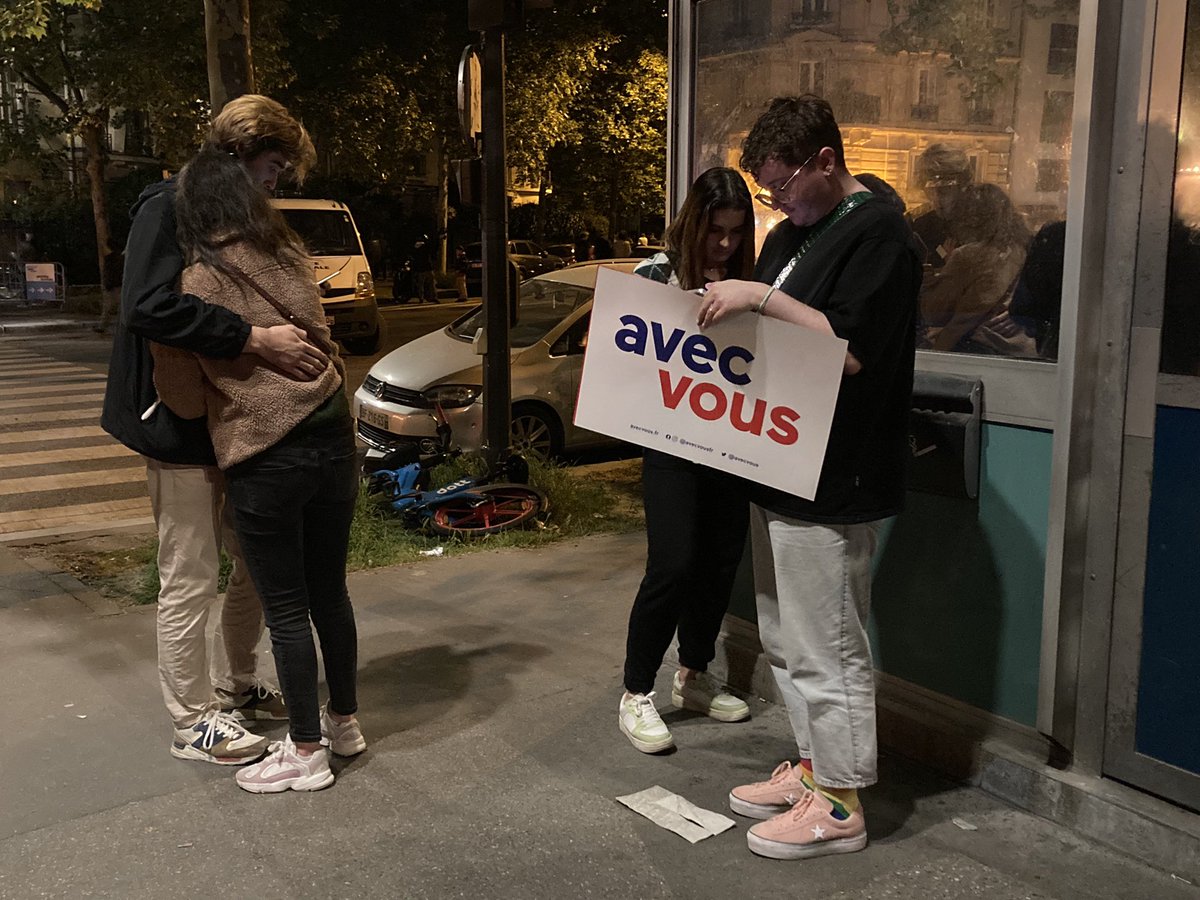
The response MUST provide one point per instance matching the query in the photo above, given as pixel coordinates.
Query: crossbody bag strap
(291, 318)
(853, 201)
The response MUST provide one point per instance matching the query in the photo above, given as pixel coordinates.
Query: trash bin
(943, 435)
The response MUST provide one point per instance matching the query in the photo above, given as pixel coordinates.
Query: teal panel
(958, 583)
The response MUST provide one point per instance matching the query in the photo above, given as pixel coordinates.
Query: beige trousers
(193, 524)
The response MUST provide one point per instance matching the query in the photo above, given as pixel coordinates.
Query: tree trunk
(614, 205)
(227, 36)
(443, 203)
(539, 220)
(92, 133)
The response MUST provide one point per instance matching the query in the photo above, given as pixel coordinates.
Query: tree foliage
(374, 81)
(618, 167)
(587, 106)
(32, 18)
(960, 29)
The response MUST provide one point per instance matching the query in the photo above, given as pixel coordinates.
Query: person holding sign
(696, 517)
(845, 264)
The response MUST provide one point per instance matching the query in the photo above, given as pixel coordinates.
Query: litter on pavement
(674, 813)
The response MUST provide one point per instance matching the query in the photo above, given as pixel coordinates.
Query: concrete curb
(36, 578)
(46, 326)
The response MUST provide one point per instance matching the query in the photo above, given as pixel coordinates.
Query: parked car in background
(340, 268)
(645, 251)
(528, 257)
(394, 405)
(565, 252)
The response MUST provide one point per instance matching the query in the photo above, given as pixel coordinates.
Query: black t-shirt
(864, 274)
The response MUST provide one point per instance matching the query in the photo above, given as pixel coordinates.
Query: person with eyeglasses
(844, 263)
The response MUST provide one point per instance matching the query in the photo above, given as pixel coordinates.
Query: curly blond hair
(252, 124)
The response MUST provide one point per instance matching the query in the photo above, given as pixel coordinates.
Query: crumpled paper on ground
(674, 813)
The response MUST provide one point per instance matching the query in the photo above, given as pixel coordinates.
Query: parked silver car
(395, 403)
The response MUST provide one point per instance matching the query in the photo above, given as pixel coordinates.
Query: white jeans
(193, 524)
(813, 589)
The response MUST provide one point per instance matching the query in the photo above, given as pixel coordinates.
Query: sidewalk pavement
(34, 320)
(488, 692)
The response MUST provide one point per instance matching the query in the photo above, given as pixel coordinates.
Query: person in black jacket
(186, 488)
(843, 263)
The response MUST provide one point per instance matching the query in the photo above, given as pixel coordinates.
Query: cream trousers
(193, 525)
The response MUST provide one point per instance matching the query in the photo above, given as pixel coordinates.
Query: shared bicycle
(473, 506)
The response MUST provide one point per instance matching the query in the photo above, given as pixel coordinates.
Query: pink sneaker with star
(808, 829)
(764, 799)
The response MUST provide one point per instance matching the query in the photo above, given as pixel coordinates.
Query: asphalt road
(59, 472)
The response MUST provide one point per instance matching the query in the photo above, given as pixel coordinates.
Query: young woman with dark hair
(287, 450)
(696, 517)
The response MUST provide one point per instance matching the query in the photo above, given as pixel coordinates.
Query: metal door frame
(1145, 389)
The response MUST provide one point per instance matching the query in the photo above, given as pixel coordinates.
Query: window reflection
(1181, 309)
(961, 107)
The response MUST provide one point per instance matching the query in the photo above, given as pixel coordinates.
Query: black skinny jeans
(292, 505)
(696, 520)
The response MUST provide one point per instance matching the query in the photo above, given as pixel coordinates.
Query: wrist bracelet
(763, 302)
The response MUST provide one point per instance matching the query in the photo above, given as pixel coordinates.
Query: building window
(980, 112)
(1056, 117)
(10, 93)
(137, 133)
(925, 108)
(811, 77)
(924, 87)
(1052, 174)
(1063, 40)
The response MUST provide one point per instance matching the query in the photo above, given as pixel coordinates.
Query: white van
(341, 268)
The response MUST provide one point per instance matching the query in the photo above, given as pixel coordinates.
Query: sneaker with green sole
(641, 723)
(701, 694)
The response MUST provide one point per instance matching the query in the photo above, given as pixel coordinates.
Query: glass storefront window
(962, 106)
(1181, 307)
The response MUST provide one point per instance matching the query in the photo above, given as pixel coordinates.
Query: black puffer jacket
(152, 309)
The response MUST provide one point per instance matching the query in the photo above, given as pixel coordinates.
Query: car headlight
(452, 396)
(365, 287)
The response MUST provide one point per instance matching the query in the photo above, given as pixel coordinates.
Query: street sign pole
(497, 390)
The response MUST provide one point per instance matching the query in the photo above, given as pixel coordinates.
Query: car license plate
(374, 417)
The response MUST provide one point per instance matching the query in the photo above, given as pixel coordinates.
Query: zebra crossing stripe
(31, 390)
(88, 414)
(71, 454)
(45, 435)
(12, 486)
(42, 402)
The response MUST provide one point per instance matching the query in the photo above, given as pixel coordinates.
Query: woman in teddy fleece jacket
(287, 450)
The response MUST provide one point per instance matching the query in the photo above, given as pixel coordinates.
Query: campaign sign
(751, 395)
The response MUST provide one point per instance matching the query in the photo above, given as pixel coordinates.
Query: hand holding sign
(723, 299)
(750, 396)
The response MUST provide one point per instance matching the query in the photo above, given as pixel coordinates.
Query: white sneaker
(701, 694)
(218, 738)
(284, 769)
(343, 738)
(642, 724)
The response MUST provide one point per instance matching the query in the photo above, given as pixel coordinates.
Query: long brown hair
(218, 202)
(717, 189)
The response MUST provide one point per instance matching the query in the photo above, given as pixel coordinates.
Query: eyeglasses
(773, 197)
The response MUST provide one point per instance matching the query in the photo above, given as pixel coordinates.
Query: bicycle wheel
(486, 510)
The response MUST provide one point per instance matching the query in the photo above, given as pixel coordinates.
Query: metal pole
(497, 390)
